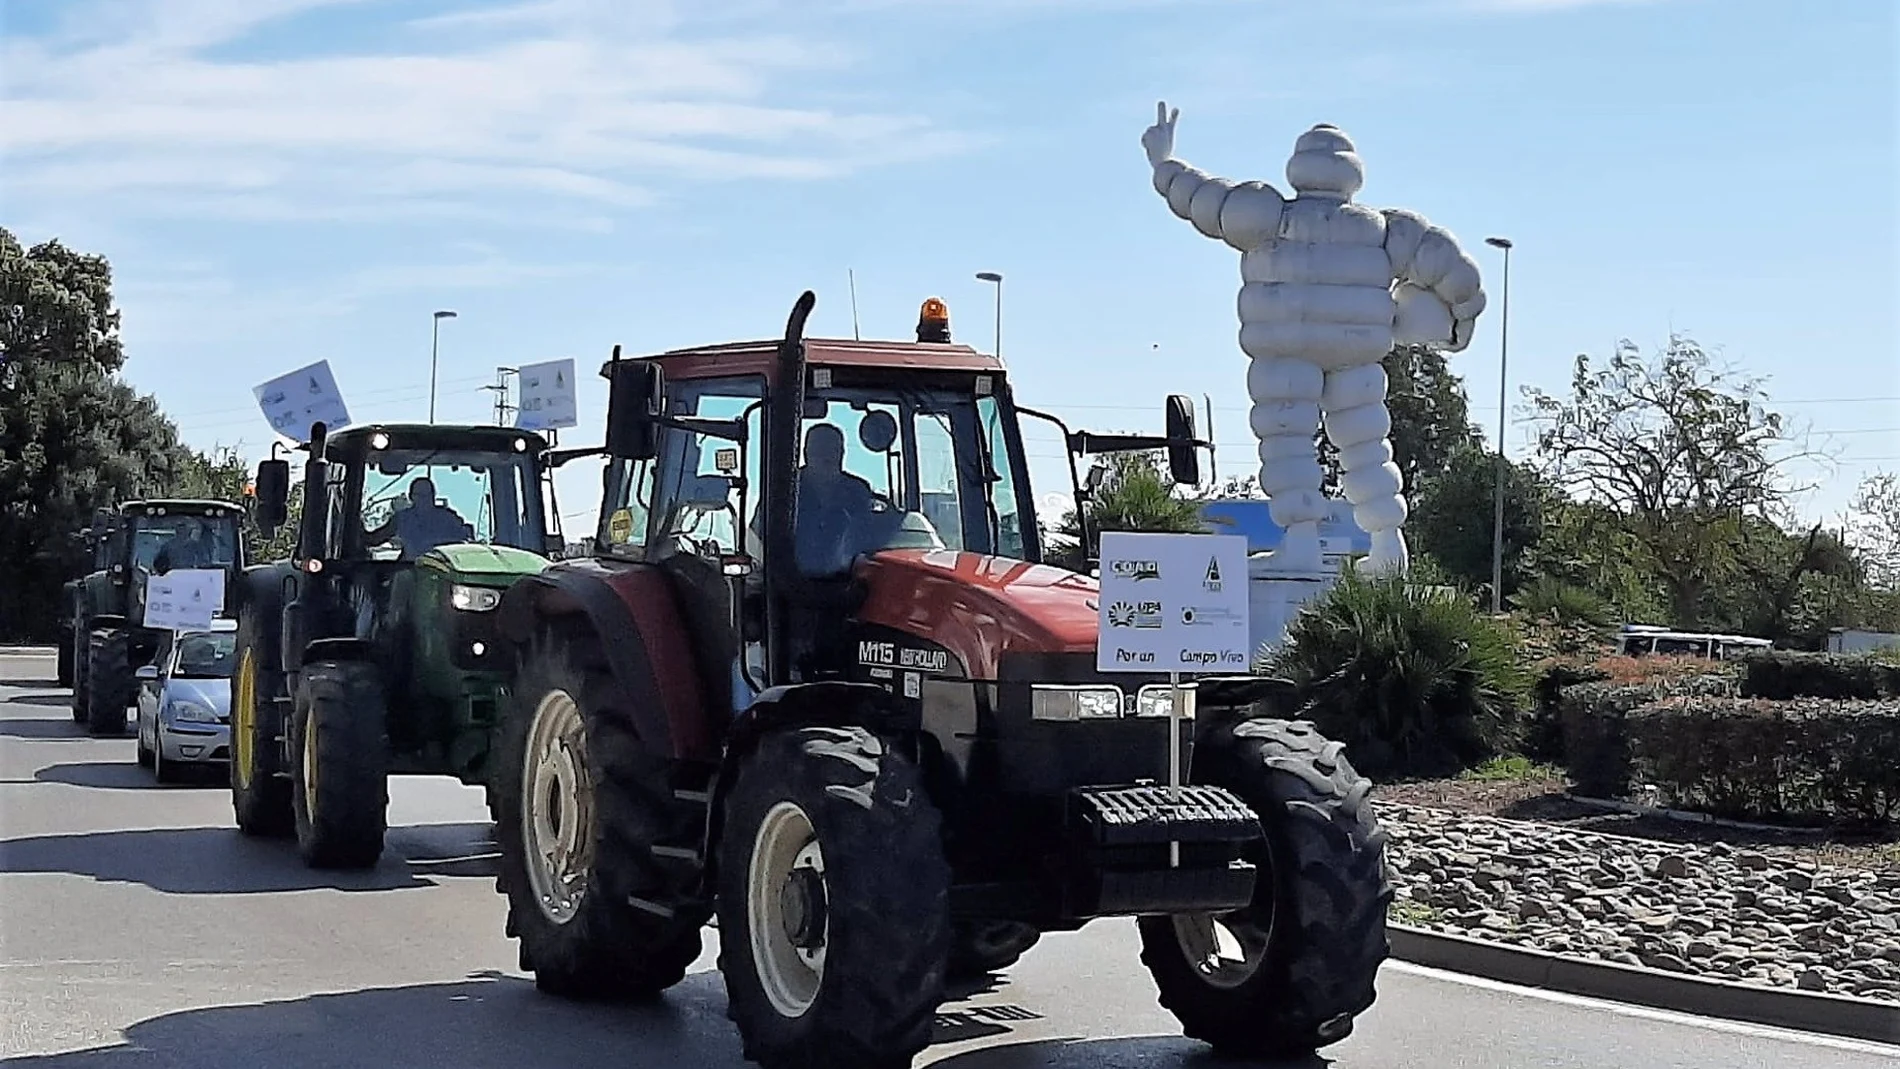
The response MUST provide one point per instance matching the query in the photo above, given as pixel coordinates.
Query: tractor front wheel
(341, 776)
(833, 901)
(260, 794)
(109, 682)
(579, 803)
(1288, 974)
(64, 664)
(78, 641)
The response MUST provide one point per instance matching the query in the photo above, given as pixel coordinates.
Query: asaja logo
(1211, 582)
(1135, 570)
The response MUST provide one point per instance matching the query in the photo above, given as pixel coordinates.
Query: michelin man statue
(1328, 287)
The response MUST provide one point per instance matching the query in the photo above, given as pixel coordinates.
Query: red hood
(980, 608)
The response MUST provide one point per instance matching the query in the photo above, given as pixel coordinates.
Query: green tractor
(372, 651)
(108, 638)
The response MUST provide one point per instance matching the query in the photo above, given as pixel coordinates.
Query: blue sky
(278, 181)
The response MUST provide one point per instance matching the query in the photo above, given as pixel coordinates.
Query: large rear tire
(78, 640)
(833, 901)
(978, 948)
(1310, 946)
(260, 794)
(340, 789)
(109, 682)
(579, 803)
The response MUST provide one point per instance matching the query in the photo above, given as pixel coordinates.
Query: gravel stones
(1713, 911)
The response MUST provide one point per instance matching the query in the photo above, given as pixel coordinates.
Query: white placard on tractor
(185, 599)
(547, 396)
(292, 402)
(1174, 603)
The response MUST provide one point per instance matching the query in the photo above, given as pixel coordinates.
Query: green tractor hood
(483, 565)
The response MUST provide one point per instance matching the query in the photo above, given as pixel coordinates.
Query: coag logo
(1135, 570)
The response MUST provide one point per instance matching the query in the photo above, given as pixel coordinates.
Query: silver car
(184, 701)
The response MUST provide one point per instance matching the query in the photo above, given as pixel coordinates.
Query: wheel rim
(310, 764)
(557, 812)
(1225, 951)
(786, 909)
(243, 714)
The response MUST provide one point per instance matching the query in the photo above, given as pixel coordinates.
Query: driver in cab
(832, 503)
(424, 525)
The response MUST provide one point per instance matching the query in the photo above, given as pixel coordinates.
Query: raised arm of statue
(1243, 214)
(1427, 258)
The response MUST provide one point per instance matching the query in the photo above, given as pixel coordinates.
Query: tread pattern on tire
(609, 949)
(344, 702)
(1331, 892)
(888, 888)
(264, 808)
(109, 684)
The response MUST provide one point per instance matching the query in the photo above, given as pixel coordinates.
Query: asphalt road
(138, 930)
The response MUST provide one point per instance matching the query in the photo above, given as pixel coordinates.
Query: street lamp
(1497, 513)
(991, 276)
(435, 345)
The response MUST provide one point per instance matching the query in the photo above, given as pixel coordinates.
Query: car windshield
(178, 541)
(206, 655)
(417, 499)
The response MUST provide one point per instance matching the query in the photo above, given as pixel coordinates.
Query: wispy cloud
(165, 105)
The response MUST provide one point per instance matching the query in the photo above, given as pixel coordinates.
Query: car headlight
(1156, 699)
(192, 713)
(474, 598)
(1051, 702)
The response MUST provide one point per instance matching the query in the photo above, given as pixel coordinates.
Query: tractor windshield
(161, 543)
(414, 500)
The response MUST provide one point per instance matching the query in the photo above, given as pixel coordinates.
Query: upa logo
(1135, 570)
(1142, 615)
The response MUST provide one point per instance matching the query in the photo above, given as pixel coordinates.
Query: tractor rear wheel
(1296, 966)
(109, 683)
(579, 803)
(260, 794)
(78, 640)
(834, 926)
(340, 779)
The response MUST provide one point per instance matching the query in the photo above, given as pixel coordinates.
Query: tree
(1453, 514)
(73, 437)
(1682, 451)
(1874, 529)
(1135, 494)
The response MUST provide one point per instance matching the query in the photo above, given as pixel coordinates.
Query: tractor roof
(761, 358)
(441, 435)
(189, 505)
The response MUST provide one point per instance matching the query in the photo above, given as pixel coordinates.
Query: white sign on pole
(185, 599)
(547, 396)
(307, 395)
(1173, 603)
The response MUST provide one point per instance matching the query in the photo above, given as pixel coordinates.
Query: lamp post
(991, 276)
(435, 346)
(1497, 513)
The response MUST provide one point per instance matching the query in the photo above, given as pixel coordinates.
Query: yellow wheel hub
(244, 720)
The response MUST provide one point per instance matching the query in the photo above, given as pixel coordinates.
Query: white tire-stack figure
(1328, 287)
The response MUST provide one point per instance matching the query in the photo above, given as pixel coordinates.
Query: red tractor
(815, 684)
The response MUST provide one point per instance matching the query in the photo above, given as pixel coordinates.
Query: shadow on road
(60, 701)
(30, 683)
(491, 1021)
(123, 775)
(40, 728)
(211, 861)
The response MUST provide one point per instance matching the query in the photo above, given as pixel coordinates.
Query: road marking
(1714, 1024)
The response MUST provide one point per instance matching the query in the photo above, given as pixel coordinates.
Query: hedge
(1786, 674)
(1804, 759)
(1544, 737)
(1595, 740)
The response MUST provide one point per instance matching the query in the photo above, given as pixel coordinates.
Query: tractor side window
(628, 499)
(1001, 477)
(704, 481)
(937, 496)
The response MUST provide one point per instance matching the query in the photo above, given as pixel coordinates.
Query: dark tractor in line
(815, 686)
(373, 651)
(106, 636)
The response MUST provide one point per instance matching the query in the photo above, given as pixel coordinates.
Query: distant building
(1853, 640)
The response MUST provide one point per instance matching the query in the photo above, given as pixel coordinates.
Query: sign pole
(1175, 708)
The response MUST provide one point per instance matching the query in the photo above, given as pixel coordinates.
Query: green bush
(1592, 721)
(1415, 681)
(1547, 597)
(1804, 759)
(1786, 674)
(1544, 736)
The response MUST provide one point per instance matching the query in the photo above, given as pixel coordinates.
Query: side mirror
(1092, 482)
(1184, 457)
(635, 400)
(148, 672)
(273, 495)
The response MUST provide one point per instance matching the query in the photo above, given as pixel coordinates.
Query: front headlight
(192, 713)
(1156, 699)
(474, 598)
(1051, 702)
